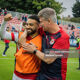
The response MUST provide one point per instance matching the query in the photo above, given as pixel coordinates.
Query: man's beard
(30, 32)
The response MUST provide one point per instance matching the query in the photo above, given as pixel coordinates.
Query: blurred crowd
(17, 24)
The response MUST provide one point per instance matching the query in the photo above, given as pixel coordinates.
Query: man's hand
(22, 39)
(30, 47)
(8, 17)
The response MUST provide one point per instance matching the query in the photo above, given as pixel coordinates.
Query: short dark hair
(35, 17)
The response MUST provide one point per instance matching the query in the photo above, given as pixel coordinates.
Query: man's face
(44, 23)
(32, 26)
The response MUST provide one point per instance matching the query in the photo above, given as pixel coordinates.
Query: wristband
(34, 52)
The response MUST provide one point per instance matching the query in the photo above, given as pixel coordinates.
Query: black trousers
(6, 47)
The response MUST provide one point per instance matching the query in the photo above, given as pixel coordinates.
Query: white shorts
(15, 77)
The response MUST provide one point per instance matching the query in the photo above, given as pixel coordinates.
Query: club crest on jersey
(52, 41)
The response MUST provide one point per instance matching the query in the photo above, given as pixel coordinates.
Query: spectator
(78, 40)
(5, 11)
(13, 29)
(69, 26)
(72, 27)
(72, 35)
(25, 18)
(0, 11)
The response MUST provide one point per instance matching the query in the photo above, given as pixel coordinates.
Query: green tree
(76, 9)
(39, 4)
(30, 6)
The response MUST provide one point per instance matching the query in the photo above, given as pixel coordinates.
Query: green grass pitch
(7, 64)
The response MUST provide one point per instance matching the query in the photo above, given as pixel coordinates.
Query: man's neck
(34, 35)
(54, 29)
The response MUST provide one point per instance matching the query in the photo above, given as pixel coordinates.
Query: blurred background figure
(5, 11)
(0, 11)
(6, 43)
(23, 17)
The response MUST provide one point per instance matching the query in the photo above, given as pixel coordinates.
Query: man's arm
(59, 45)
(31, 48)
(45, 59)
(22, 38)
(7, 35)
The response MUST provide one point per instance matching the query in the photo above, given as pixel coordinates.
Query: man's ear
(49, 20)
